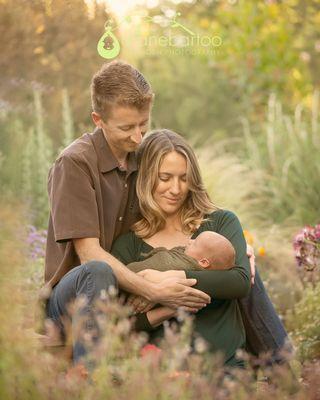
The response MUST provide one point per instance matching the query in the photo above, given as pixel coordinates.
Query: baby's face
(195, 248)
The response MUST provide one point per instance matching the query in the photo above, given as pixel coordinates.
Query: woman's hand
(250, 254)
(139, 304)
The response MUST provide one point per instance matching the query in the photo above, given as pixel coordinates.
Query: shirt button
(120, 219)
(125, 185)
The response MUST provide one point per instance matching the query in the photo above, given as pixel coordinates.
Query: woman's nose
(175, 188)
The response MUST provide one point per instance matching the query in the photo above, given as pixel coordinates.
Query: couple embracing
(118, 194)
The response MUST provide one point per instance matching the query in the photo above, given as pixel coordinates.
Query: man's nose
(137, 135)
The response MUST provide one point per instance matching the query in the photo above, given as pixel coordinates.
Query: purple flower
(36, 241)
(306, 245)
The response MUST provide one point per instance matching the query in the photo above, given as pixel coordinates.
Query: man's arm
(173, 292)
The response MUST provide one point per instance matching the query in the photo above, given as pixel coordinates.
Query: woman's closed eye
(163, 179)
(166, 178)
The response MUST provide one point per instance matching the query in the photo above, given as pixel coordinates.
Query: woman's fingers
(190, 309)
(139, 304)
(250, 254)
(193, 305)
(147, 306)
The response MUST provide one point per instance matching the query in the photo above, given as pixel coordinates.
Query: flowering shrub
(304, 323)
(36, 241)
(307, 247)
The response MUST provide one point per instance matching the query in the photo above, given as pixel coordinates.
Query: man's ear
(96, 118)
(204, 262)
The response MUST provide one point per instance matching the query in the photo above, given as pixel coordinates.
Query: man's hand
(177, 292)
(155, 276)
(177, 287)
(250, 254)
(173, 283)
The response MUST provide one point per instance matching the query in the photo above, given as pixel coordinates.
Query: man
(92, 199)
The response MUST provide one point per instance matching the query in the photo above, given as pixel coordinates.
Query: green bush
(304, 322)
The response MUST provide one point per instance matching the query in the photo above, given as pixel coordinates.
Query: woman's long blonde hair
(151, 153)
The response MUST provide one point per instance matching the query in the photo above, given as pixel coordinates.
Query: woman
(175, 207)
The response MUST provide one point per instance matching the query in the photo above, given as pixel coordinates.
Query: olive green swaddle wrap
(162, 259)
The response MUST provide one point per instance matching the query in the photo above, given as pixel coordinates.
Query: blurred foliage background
(249, 104)
(253, 94)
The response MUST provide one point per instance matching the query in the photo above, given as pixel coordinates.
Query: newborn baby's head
(211, 250)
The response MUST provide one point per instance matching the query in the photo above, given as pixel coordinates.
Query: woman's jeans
(264, 330)
(86, 283)
(265, 333)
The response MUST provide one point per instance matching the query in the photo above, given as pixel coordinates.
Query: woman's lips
(172, 200)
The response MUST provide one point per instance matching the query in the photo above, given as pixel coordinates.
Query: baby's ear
(204, 263)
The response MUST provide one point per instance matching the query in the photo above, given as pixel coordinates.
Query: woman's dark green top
(219, 323)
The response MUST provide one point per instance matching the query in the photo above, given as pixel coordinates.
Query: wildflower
(204, 23)
(249, 237)
(306, 246)
(151, 354)
(36, 241)
(261, 251)
(150, 349)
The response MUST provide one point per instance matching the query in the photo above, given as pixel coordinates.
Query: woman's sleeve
(125, 249)
(233, 283)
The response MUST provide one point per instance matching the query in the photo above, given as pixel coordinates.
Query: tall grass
(287, 152)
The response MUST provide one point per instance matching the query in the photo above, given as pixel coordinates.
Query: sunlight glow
(121, 8)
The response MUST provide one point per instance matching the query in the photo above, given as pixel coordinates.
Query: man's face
(124, 128)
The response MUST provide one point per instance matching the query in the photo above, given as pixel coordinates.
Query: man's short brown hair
(119, 83)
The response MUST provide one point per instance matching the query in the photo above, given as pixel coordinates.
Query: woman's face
(172, 188)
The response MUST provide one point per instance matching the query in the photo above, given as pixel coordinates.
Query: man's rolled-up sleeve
(73, 204)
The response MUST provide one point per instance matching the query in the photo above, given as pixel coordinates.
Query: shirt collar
(106, 160)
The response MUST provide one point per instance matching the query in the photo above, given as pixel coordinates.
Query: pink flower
(150, 350)
(306, 245)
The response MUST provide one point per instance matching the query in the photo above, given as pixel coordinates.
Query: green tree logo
(108, 46)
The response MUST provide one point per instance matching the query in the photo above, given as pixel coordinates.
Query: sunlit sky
(122, 8)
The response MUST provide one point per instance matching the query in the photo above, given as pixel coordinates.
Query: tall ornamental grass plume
(286, 151)
(231, 183)
(67, 119)
(37, 156)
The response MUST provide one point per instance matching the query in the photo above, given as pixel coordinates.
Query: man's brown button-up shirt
(90, 196)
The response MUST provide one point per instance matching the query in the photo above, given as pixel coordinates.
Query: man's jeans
(86, 281)
(264, 330)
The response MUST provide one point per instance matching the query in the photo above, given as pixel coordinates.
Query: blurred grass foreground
(126, 365)
(251, 111)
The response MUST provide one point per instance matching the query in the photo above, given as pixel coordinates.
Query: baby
(209, 250)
